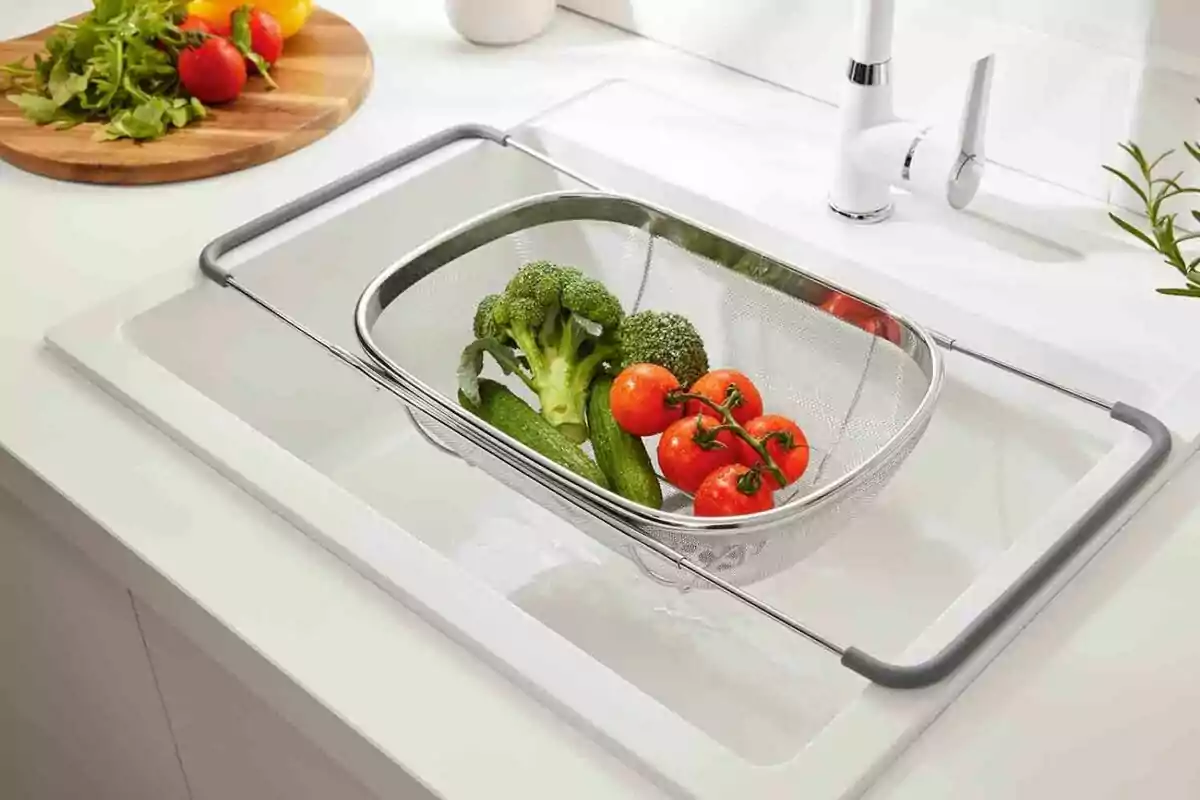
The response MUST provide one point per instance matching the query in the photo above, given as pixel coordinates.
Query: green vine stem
(733, 398)
(750, 482)
(1164, 236)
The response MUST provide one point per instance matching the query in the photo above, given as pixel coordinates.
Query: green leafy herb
(1163, 237)
(116, 65)
(239, 34)
(471, 365)
(41, 110)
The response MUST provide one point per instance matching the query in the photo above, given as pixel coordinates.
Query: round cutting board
(323, 76)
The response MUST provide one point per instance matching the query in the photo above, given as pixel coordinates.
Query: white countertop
(1069, 694)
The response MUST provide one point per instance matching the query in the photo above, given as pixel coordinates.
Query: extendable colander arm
(572, 489)
(951, 657)
(210, 256)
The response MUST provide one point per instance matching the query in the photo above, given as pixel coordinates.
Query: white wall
(1074, 77)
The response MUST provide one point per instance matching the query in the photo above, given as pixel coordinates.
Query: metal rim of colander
(381, 291)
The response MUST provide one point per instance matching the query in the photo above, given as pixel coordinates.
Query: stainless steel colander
(862, 398)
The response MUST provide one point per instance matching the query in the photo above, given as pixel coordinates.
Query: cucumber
(621, 455)
(500, 407)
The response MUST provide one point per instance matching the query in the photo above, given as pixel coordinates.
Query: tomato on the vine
(639, 399)
(715, 386)
(691, 449)
(731, 491)
(785, 443)
(859, 314)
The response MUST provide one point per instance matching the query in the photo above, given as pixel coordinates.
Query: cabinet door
(80, 715)
(232, 744)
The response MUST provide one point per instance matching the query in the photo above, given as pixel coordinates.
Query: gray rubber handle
(344, 185)
(897, 676)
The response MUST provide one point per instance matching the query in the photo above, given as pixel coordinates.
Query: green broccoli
(563, 326)
(664, 338)
(485, 324)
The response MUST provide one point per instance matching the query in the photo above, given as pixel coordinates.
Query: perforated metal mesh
(852, 392)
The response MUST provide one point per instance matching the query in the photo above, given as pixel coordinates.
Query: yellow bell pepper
(291, 14)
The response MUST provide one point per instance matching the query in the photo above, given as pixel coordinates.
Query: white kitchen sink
(705, 695)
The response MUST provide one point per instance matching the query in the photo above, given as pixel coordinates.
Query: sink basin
(702, 693)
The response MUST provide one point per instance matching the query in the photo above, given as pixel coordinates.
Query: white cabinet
(102, 699)
(80, 716)
(232, 744)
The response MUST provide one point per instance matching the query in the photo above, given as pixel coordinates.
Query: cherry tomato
(861, 315)
(791, 460)
(884, 327)
(196, 24)
(715, 386)
(731, 491)
(214, 72)
(847, 308)
(639, 399)
(266, 37)
(689, 452)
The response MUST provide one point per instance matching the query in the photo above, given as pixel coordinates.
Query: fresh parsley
(116, 65)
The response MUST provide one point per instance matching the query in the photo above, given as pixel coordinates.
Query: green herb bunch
(116, 65)
(1164, 236)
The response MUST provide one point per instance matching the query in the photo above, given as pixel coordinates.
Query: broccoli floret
(667, 339)
(485, 324)
(539, 281)
(591, 299)
(564, 326)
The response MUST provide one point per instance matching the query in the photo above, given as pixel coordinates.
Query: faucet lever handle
(968, 171)
(974, 119)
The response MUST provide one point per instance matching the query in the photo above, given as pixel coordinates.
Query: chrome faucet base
(864, 217)
(879, 74)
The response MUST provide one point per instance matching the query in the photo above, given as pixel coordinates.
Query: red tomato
(639, 399)
(861, 315)
(732, 491)
(214, 72)
(266, 36)
(792, 460)
(686, 458)
(884, 327)
(196, 24)
(715, 386)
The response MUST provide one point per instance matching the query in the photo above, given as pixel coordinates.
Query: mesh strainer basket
(862, 395)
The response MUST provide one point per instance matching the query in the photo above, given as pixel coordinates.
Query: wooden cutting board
(323, 76)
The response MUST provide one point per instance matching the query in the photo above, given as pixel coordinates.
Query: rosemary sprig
(1163, 237)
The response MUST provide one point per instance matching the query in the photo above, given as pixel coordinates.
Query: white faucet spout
(873, 24)
(876, 151)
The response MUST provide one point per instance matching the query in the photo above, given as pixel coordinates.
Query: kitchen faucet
(877, 150)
